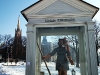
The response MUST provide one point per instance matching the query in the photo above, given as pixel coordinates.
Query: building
(15, 50)
(46, 47)
(18, 50)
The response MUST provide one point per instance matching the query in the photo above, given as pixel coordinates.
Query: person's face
(64, 39)
(61, 42)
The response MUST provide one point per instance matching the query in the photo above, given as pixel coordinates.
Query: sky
(10, 11)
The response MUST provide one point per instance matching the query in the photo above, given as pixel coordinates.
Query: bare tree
(75, 44)
(6, 39)
(24, 40)
(99, 41)
(11, 41)
(97, 31)
(1, 39)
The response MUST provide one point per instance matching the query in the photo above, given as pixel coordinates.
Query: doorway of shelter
(48, 43)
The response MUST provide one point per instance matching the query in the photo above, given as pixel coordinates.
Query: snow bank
(19, 69)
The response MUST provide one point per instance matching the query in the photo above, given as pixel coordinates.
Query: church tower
(18, 33)
(17, 51)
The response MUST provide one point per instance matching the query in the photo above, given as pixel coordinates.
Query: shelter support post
(38, 57)
(88, 61)
(82, 55)
(92, 48)
(31, 51)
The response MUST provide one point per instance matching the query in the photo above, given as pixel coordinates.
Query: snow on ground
(51, 66)
(19, 69)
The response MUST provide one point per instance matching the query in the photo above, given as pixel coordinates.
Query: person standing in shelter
(62, 61)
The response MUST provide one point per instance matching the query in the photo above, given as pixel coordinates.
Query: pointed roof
(18, 25)
(22, 12)
(28, 8)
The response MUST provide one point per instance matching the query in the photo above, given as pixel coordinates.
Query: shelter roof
(22, 12)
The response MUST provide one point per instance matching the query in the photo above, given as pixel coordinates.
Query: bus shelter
(61, 17)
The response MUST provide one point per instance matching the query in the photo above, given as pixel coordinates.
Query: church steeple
(18, 26)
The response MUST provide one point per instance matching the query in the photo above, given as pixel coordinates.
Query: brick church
(15, 50)
(18, 50)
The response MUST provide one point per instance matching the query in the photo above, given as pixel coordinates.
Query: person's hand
(71, 61)
(44, 57)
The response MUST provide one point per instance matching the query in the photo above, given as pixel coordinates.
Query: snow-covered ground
(19, 69)
(51, 66)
